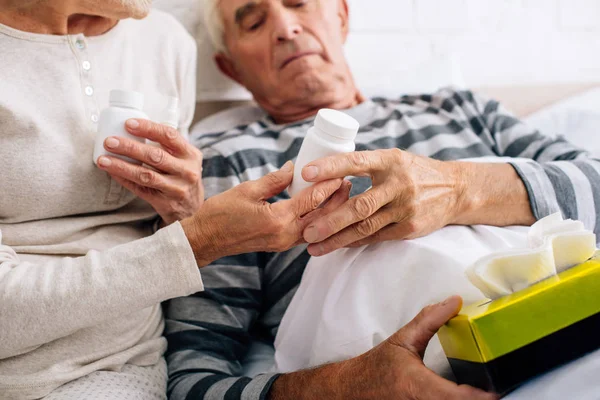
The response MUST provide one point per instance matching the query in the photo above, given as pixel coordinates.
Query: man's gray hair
(213, 20)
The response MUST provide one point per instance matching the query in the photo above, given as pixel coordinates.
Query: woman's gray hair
(213, 20)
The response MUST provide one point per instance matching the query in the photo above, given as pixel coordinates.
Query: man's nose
(287, 26)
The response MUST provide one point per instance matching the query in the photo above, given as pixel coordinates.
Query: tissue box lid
(485, 331)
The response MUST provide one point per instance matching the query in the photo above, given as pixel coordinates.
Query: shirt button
(80, 44)
(89, 90)
(86, 65)
(94, 118)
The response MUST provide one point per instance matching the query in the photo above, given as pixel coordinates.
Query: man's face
(286, 51)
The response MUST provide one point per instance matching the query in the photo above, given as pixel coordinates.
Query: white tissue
(554, 245)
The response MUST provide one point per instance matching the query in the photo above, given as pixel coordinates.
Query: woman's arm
(41, 302)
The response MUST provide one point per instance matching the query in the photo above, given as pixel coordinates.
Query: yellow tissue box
(497, 345)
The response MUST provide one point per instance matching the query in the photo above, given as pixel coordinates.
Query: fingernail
(445, 302)
(132, 124)
(111, 142)
(318, 250)
(311, 234)
(287, 167)
(310, 172)
(104, 162)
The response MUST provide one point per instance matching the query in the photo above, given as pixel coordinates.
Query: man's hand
(411, 197)
(175, 188)
(393, 370)
(241, 220)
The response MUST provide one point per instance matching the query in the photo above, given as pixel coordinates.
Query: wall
(498, 42)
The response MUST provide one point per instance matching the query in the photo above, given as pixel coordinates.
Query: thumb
(273, 183)
(417, 333)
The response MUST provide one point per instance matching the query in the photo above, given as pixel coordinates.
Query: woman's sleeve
(41, 302)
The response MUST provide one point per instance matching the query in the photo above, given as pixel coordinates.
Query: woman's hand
(241, 220)
(174, 188)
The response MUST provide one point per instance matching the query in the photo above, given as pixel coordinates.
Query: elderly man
(82, 272)
(288, 53)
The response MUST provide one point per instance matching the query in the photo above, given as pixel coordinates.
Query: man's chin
(314, 82)
(305, 77)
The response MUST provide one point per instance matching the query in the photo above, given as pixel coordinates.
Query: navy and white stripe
(246, 296)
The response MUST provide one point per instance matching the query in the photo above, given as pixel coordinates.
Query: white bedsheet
(353, 299)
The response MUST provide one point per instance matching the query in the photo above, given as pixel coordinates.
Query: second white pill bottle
(333, 133)
(123, 105)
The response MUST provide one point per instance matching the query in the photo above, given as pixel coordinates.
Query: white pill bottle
(169, 116)
(123, 105)
(333, 133)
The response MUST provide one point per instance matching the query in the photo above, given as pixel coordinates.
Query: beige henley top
(81, 274)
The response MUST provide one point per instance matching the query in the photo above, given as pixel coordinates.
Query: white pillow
(577, 118)
(188, 12)
(210, 83)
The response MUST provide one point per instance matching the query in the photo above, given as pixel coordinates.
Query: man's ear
(225, 65)
(344, 18)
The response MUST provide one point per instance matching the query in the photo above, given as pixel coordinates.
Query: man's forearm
(313, 384)
(492, 194)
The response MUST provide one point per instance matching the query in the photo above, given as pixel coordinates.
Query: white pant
(131, 383)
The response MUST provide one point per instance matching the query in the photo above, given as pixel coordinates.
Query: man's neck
(287, 115)
(52, 18)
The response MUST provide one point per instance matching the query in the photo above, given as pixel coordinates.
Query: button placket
(114, 191)
(85, 68)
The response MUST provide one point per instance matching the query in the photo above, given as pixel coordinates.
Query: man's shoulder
(450, 94)
(451, 101)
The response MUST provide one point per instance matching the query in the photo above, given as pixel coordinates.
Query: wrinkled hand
(241, 220)
(175, 188)
(395, 369)
(411, 196)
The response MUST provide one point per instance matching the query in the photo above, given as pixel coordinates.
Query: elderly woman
(82, 267)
